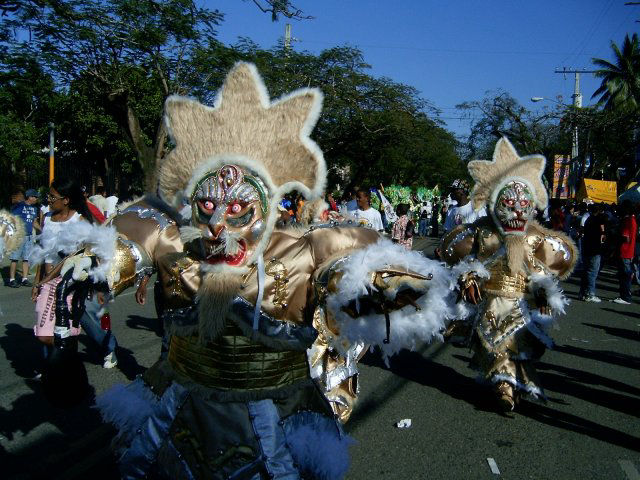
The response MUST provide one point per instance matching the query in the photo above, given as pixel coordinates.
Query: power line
(448, 50)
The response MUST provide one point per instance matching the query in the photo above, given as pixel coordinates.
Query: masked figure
(265, 326)
(508, 265)
(11, 232)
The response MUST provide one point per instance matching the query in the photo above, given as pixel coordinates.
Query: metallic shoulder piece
(129, 264)
(145, 211)
(458, 243)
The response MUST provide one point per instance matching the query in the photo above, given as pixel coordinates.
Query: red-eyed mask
(230, 207)
(513, 208)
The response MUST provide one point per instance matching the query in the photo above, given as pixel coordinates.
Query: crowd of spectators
(605, 235)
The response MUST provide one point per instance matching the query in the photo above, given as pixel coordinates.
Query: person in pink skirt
(403, 228)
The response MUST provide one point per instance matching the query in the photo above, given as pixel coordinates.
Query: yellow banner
(598, 191)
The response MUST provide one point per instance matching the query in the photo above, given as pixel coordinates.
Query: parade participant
(508, 265)
(266, 326)
(12, 232)
(67, 227)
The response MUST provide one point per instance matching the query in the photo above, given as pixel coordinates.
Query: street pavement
(589, 429)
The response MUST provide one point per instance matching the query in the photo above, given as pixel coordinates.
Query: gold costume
(264, 326)
(505, 339)
(508, 265)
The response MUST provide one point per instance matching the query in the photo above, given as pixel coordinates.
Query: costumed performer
(12, 232)
(509, 266)
(266, 326)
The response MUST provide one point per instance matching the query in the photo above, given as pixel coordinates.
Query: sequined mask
(230, 207)
(513, 208)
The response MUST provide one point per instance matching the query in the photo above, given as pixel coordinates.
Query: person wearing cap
(28, 212)
(463, 212)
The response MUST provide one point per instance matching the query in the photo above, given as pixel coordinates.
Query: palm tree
(620, 87)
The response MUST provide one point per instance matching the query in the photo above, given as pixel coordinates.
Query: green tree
(500, 115)
(27, 104)
(620, 87)
(113, 43)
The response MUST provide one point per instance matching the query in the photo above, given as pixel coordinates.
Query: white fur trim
(467, 265)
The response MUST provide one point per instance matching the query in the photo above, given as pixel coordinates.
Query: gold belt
(234, 362)
(505, 283)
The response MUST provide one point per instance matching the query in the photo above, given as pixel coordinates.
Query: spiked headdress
(245, 128)
(505, 166)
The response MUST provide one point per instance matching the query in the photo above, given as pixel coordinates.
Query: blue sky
(455, 50)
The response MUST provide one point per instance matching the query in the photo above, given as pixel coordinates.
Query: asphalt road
(590, 428)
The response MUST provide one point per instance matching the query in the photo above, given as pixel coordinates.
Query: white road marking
(629, 469)
(494, 466)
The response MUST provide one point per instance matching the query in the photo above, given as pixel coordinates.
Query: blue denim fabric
(22, 252)
(591, 267)
(90, 323)
(625, 273)
(423, 227)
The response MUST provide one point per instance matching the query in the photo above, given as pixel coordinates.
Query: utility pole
(287, 38)
(52, 128)
(577, 102)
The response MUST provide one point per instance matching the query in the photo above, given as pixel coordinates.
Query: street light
(574, 143)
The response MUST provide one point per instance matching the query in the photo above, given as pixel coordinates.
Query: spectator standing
(28, 212)
(435, 214)
(351, 200)
(557, 217)
(403, 228)
(592, 246)
(463, 212)
(626, 251)
(364, 214)
(425, 218)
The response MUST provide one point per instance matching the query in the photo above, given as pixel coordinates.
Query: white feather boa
(408, 326)
(99, 238)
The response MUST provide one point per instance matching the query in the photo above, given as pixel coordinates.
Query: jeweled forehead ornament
(522, 174)
(230, 185)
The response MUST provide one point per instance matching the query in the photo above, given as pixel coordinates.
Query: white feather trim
(467, 265)
(530, 388)
(553, 293)
(408, 326)
(100, 238)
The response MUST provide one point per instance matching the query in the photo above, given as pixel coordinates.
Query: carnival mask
(229, 208)
(513, 208)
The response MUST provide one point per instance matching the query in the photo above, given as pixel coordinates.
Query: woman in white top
(66, 206)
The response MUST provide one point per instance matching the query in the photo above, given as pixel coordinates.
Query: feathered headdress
(505, 166)
(245, 128)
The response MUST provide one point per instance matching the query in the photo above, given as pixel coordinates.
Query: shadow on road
(572, 382)
(76, 433)
(23, 351)
(567, 421)
(615, 331)
(137, 322)
(607, 356)
(419, 367)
